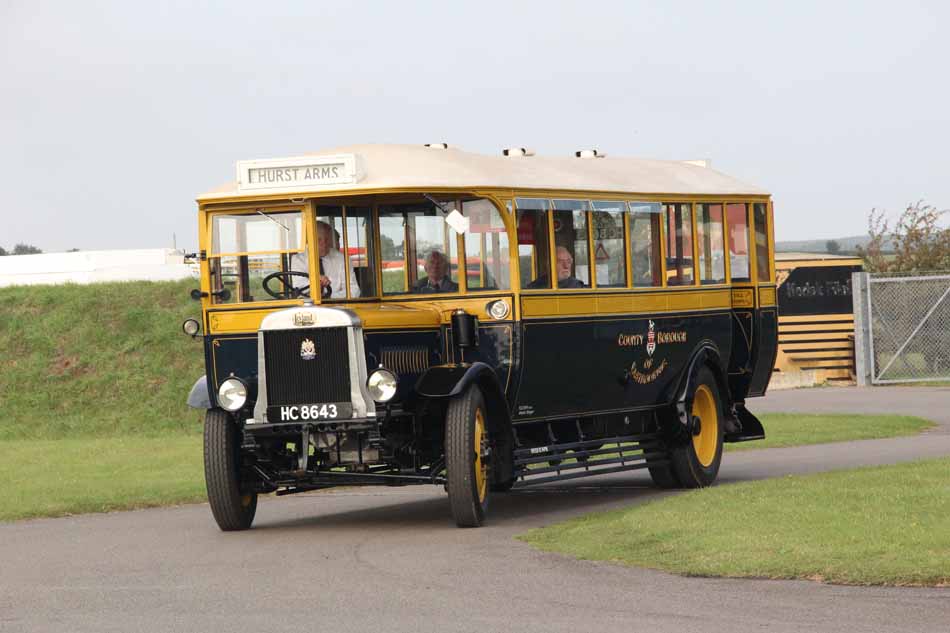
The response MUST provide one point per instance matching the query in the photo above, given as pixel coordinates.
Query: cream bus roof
(412, 166)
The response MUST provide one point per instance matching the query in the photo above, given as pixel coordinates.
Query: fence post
(862, 334)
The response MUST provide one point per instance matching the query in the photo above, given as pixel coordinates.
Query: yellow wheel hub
(481, 453)
(704, 443)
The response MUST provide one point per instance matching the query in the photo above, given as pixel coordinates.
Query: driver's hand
(325, 281)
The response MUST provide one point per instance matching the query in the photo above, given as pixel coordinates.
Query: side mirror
(224, 293)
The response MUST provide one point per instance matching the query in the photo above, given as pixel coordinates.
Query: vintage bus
(393, 315)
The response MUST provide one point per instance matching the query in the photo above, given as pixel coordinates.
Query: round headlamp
(498, 309)
(232, 394)
(191, 327)
(382, 385)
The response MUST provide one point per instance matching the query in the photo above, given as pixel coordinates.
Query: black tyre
(663, 475)
(501, 486)
(658, 460)
(467, 455)
(695, 463)
(232, 508)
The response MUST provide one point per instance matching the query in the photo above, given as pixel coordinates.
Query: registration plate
(307, 412)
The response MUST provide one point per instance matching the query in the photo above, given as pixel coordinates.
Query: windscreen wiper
(286, 228)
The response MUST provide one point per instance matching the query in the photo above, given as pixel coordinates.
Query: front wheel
(467, 455)
(695, 463)
(233, 508)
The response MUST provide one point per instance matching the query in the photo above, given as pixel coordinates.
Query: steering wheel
(286, 277)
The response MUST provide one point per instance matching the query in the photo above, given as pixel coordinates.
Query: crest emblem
(651, 339)
(308, 351)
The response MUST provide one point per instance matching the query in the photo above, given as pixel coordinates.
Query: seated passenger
(332, 266)
(565, 262)
(436, 267)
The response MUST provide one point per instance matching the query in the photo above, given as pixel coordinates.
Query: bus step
(749, 427)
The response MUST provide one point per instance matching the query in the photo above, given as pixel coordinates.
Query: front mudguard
(449, 381)
(199, 397)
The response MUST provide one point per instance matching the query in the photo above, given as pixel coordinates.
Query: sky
(114, 116)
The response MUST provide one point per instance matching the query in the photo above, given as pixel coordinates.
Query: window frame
(700, 247)
(208, 272)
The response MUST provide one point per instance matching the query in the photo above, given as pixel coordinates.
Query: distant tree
(917, 243)
(833, 247)
(26, 249)
(388, 247)
(73, 250)
(3, 251)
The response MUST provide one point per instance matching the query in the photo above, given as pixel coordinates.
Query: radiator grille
(293, 380)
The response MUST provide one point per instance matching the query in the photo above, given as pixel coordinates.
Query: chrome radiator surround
(311, 317)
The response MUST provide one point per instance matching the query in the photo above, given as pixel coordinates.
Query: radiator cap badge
(303, 318)
(308, 350)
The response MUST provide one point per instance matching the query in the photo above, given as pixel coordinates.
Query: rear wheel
(659, 464)
(232, 507)
(695, 463)
(467, 456)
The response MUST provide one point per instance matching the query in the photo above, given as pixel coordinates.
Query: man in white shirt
(332, 266)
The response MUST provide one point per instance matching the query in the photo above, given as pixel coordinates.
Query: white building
(84, 267)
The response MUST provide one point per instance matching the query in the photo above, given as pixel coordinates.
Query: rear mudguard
(706, 354)
(740, 424)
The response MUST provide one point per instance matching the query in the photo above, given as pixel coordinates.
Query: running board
(573, 460)
(749, 427)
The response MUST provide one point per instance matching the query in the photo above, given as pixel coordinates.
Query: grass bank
(873, 526)
(101, 360)
(93, 381)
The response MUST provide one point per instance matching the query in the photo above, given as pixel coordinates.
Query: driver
(332, 266)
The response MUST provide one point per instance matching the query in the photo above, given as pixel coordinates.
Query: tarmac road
(391, 560)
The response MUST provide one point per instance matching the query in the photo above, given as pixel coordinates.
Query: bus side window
(645, 236)
(610, 262)
(486, 247)
(679, 244)
(712, 255)
(737, 217)
(534, 250)
(760, 218)
(570, 235)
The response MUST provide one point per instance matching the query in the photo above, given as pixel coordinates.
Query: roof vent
(437, 145)
(588, 153)
(517, 151)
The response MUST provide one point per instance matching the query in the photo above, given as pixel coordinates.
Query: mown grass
(800, 429)
(101, 360)
(49, 478)
(873, 526)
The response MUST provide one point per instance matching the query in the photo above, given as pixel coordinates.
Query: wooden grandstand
(816, 319)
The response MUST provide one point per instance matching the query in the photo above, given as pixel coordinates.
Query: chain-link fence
(908, 327)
